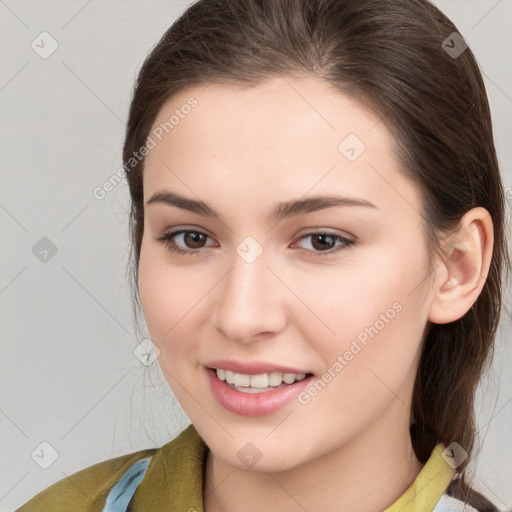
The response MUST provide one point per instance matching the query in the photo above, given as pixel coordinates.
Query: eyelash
(167, 240)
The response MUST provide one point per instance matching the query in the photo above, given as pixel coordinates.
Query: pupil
(322, 237)
(194, 237)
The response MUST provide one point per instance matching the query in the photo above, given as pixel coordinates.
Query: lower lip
(254, 404)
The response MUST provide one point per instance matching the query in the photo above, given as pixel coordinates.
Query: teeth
(275, 378)
(229, 377)
(241, 380)
(260, 381)
(289, 378)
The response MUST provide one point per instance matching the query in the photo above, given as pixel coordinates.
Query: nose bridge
(249, 304)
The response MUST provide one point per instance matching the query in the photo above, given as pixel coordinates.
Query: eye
(193, 237)
(324, 241)
(195, 240)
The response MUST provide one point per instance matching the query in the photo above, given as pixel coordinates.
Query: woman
(318, 245)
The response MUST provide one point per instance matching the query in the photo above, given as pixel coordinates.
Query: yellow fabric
(428, 487)
(174, 482)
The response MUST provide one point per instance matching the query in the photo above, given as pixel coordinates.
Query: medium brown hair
(389, 56)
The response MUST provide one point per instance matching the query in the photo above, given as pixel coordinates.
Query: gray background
(69, 376)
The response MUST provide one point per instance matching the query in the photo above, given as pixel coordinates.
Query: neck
(368, 473)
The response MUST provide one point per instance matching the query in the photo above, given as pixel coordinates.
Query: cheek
(353, 296)
(162, 295)
(159, 302)
(373, 316)
(154, 297)
(171, 299)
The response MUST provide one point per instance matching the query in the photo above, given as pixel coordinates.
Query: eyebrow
(281, 211)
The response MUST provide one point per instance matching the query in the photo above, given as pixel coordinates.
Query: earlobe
(464, 267)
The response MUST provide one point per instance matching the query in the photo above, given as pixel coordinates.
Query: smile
(258, 383)
(264, 395)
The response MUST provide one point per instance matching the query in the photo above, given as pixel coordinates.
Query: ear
(462, 272)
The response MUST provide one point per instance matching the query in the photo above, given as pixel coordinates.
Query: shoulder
(85, 490)
(172, 478)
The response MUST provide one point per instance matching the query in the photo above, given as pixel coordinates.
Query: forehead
(290, 106)
(284, 136)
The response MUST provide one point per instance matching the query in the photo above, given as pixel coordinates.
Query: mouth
(259, 383)
(255, 394)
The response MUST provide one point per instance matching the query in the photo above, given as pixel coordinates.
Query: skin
(242, 151)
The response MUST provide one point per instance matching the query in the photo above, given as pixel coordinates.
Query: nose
(251, 301)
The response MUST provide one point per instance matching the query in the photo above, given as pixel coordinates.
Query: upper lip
(252, 368)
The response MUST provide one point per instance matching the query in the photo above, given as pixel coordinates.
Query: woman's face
(338, 292)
